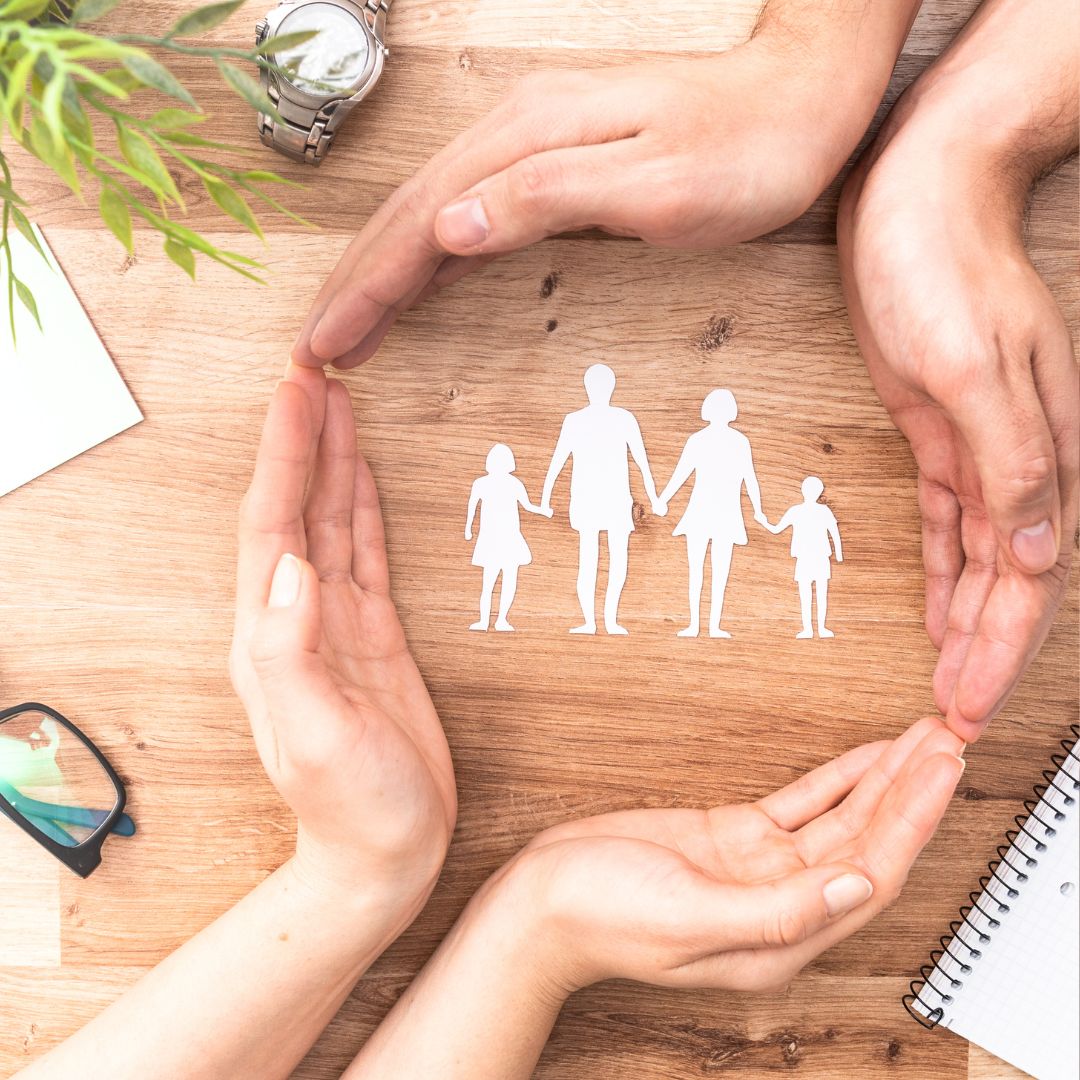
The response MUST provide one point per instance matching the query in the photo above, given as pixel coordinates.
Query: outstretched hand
(616, 148)
(973, 359)
(738, 897)
(341, 717)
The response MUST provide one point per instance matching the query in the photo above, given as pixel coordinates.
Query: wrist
(363, 894)
(516, 910)
(1002, 99)
(842, 61)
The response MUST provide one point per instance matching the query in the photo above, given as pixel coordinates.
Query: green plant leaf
(27, 298)
(144, 159)
(248, 88)
(187, 138)
(181, 255)
(233, 205)
(23, 9)
(52, 105)
(22, 223)
(9, 194)
(75, 118)
(89, 10)
(204, 18)
(261, 176)
(150, 73)
(15, 97)
(282, 42)
(116, 82)
(175, 118)
(284, 210)
(61, 161)
(115, 214)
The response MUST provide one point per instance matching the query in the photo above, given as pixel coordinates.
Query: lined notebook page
(1021, 997)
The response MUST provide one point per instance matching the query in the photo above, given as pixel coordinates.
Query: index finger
(1011, 629)
(271, 514)
(397, 253)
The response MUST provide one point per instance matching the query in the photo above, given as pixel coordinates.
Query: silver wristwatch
(318, 83)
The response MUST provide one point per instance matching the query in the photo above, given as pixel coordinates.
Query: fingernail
(847, 892)
(463, 224)
(285, 588)
(1035, 548)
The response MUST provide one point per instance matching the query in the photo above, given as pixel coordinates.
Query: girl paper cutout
(500, 547)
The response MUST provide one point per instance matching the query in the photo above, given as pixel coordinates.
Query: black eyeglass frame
(84, 858)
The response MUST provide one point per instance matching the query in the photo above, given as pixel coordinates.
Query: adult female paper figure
(500, 547)
(721, 461)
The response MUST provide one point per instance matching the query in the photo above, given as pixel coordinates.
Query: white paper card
(60, 393)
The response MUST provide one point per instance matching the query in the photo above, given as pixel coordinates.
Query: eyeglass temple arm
(68, 815)
(52, 830)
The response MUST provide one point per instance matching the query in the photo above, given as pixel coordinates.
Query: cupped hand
(972, 358)
(736, 897)
(619, 148)
(340, 714)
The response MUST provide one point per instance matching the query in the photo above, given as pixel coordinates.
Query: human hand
(736, 897)
(619, 148)
(969, 352)
(340, 715)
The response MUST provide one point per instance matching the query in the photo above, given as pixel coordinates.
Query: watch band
(308, 141)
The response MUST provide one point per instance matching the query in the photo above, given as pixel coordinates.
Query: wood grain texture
(116, 572)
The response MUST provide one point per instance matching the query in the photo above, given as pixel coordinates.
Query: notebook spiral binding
(943, 977)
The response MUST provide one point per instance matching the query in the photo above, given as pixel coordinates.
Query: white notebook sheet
(60, 393)
(1009, 979)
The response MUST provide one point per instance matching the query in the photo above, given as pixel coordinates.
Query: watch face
(331, 62)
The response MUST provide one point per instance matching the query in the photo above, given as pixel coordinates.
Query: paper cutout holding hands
(500, 547)
(719, 457)
(812, 524)
(597, 438)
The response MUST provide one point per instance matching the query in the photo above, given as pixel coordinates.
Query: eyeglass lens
(52, 778)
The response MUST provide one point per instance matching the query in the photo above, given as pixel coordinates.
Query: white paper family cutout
(596, 441)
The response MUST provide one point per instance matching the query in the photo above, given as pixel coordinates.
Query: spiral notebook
(1007, 975)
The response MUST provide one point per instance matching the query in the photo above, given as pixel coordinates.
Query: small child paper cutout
(812, 525)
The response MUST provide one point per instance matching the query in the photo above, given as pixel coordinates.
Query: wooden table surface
(116, 573)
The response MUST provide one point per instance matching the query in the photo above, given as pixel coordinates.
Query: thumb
(285, 641)
(550, 192)
(783, 912)
(1005, 426)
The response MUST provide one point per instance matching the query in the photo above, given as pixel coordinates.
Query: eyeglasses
(56, 785)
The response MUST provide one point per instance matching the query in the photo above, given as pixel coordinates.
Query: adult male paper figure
(598, 438)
